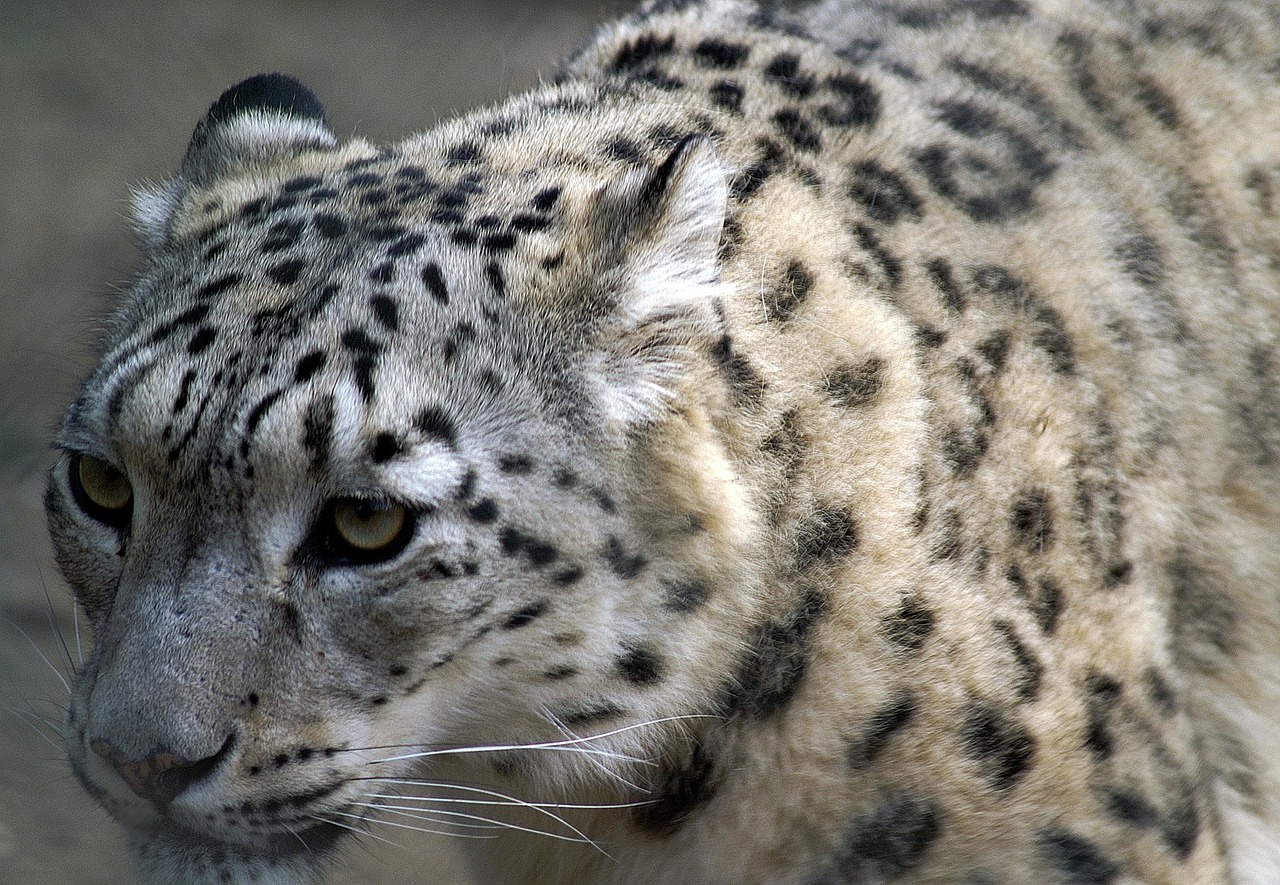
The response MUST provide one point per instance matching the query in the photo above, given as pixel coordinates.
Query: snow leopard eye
(360, 530)
(102, 492)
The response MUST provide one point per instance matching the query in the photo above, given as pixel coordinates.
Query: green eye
(102, 492)
(359, 530)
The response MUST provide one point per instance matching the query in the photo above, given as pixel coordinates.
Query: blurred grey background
(95, 96)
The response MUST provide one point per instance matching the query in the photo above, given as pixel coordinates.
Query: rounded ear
(253, 123)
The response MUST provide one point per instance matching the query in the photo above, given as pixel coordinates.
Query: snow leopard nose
(162, 776)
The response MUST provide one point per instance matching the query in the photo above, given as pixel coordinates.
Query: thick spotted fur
(841, 445)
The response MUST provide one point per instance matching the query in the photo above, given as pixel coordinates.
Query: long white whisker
(416, 829)
(514, 800)
(53, 624)
(599, 765)
(75, 623)
(34, 720)
(359, 831)
(66, 685)
(455, 799)
(570, 744)
(425, 814)
(580, 838)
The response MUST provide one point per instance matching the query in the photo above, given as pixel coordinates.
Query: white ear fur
(674, 263)
(152, 206)
(667, 224)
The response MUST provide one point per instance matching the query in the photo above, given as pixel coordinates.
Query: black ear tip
(266, 92)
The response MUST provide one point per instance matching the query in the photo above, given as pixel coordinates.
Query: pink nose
(161, 777)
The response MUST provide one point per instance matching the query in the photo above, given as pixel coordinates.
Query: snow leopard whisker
(403, 826)
(578, 837)
(568, 744)
(51, 665)
(513, 801)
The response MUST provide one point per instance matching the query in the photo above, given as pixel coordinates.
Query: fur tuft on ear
(668, 223)
(663, 234)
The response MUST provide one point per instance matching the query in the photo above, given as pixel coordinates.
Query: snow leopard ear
(660, 233)
(253, 122)
(665, 226)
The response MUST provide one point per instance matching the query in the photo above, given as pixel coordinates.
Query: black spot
(657, 78)
(995, 349)
(1030, 670)
(856, 386)
(1002, 746)
(745, 183)
(567, 576)
(1102, 696)
(539, 552)
(308, 366)
(939, 270)
(889, 840)
(433, 422)
(1179, 831)
(797, 129)
(828, 535)
(684, 784)
(640, 664)
(627, 150)
(685, 596)
(545, 199)
(483, 511)
(527, 223)
(517, 464)
(883, 725)
(775, 662)
(286, 272)
(201, 339)
(1157, 100)
(1032, 520)
(889, 263)
(784, 72)
(964, 449)
(281, 236)
(591, 714)
(364, 352)
(559, 672)
(500, 242)
(727, 94)
(462, 154)
(1047, 604)
(494, 274)
(1076, 858)
(858, 102)
(301, 183)
(624, 565)
(745, 381)
(318, 432)
(217, 286)
(909, 626)
(713, 53)
(526, 615)
(797, 283)
(386, 311)
(385, 447)
(882, 193)
(641, 51)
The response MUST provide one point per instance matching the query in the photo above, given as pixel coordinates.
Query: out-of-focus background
(98, 94)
